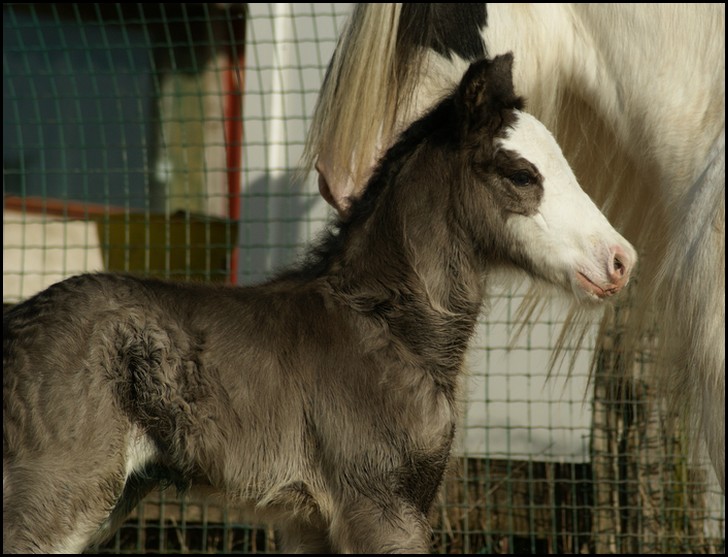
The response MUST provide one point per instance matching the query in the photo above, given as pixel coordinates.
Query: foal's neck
(407, 265)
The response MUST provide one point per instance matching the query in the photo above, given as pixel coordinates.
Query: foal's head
(503, 188)
(527, 206)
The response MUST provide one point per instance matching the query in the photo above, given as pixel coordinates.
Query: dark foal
(325, 399)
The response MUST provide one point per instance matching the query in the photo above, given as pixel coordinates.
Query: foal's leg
(58, 493)
(52, 508)
(305, 537)
(394, 526)
(137, 487)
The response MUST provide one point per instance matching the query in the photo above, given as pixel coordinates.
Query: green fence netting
(163, 139)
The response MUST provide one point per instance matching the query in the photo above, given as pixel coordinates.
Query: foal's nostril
(619, 268)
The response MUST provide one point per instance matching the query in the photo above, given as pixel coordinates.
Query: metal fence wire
(163, 139)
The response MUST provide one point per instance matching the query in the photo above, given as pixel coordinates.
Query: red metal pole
(234, 83)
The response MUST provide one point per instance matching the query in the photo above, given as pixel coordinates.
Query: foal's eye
(521, 179)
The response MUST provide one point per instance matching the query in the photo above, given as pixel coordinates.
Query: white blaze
(569, 236)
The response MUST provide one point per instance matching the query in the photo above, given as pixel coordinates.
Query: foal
(325, 399)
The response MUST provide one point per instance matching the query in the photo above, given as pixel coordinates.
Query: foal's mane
(449, 121)
(437, 124)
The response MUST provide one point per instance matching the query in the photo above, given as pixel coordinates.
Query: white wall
(287, 52)
(39, 251)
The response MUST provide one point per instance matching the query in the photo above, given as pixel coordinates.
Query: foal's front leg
(309, 536)
(382, 526)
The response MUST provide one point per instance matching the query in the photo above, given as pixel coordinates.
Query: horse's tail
(377, 71)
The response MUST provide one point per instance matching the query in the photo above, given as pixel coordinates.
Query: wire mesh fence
(164, 140)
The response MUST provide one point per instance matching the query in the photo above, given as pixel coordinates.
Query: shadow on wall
(278, 215)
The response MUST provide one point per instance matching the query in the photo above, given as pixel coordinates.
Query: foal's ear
(485, 97)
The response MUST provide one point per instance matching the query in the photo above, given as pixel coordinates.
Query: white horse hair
(635, 94)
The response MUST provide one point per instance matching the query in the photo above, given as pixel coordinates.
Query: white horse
(635, 94)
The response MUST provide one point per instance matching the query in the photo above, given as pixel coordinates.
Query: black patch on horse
(445, 28)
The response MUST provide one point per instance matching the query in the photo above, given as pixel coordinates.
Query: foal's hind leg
(51, 508)
(137, 487)
(57, 498)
